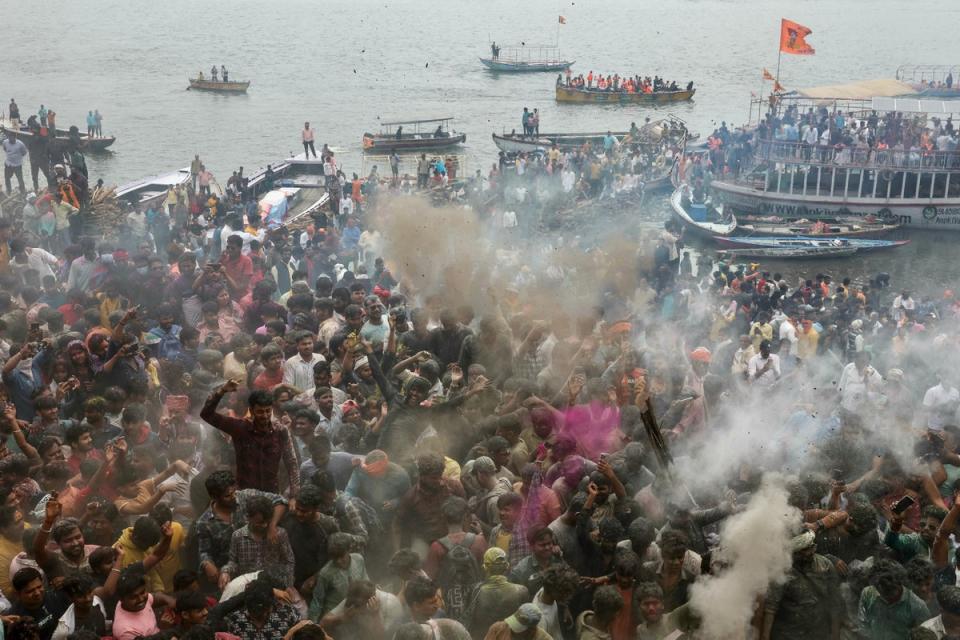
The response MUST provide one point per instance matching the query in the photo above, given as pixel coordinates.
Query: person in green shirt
(919, 543)
(888, 609)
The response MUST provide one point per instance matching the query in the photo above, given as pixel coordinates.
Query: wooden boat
(848, 228)
(705, 219)
(809, 242)
(525, 66)
(790, 253)
(218, 87)
(594, 96)
(392, 136)
(512, 142)
(87, 143)
(525, 59)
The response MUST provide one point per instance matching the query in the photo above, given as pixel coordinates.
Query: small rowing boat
(392, 136)
(790, 253)
(217, 86)
(830, 228)
(703, 218)
(87, 143)
(595, 96)
(809, 242)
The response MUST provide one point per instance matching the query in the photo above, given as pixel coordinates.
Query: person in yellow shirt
(761, 330)
(808, 339)
(11, 542)
(152, 544)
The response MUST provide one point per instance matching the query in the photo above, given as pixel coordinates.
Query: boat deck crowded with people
(890, 158)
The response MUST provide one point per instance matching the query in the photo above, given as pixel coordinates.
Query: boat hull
(702, 228)
(515, 143)
(941, 214)
(812, 242)
(582, 96)
(772, 253)
(503, 66)
(376, 144)
(87, 143)
(746, 227)
(218, 87)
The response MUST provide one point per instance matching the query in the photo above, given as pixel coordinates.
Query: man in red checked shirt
(259, 443)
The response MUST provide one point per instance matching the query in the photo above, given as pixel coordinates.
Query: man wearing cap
(808, 603)
(522, 625)
(495, 597)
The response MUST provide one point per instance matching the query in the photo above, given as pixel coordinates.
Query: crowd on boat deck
(618, 83)
(892, 138)
(211, 428)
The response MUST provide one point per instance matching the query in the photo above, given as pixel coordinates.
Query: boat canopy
(399, 122)
(913, 105)
(928, 72)
(863, 90)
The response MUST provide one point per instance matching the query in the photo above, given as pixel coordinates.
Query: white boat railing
(855, 157)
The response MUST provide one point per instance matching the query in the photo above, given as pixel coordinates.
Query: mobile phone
(902, 505)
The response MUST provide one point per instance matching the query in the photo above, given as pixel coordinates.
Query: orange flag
(777, 87)
(767, 75)
(793, 38)
(563, 20)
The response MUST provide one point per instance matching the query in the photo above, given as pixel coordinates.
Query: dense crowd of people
(211, 429)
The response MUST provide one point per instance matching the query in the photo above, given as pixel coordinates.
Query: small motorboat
(202, 84)
(525, 66)
(790, 253)
(419, 136)
(703, 218)
(807, 242)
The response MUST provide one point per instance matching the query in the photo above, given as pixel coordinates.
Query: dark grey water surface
(344, 65)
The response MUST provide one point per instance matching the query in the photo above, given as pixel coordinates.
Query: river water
(343, 66)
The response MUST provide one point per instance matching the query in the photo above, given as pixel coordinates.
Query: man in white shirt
(940, 403)
(857, 381)
(560, 583)
(25, 258)
(764, 368)
(788, 331)
(742, 357)
(298, 370)
(947, 624)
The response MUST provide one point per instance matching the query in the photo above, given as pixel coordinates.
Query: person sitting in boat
(690, 86)
(439, 133)
(200, 76)
(213, 73)
(399, 132)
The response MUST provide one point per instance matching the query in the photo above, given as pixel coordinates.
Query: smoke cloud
(756, 553)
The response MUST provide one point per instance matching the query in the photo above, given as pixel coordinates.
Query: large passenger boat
(916, 186)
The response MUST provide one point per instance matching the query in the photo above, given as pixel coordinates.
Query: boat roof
(862, 90)
(167, 179)
(396, 122)
(914, 105)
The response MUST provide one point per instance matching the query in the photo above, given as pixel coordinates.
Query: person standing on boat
(395, 167)
(534, 122)
(195, 168)
(494, 51)
(91, 124)
(307, 135)
(14, 114)
(98, 122)
(223, 73)
(213, 73)
(15, 152)
(525, 120)
(423, 171)
(42, 114)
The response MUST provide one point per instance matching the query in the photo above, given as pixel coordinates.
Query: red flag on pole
(767, 75)
(563, 20)
(793, 38)
(777, 87)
